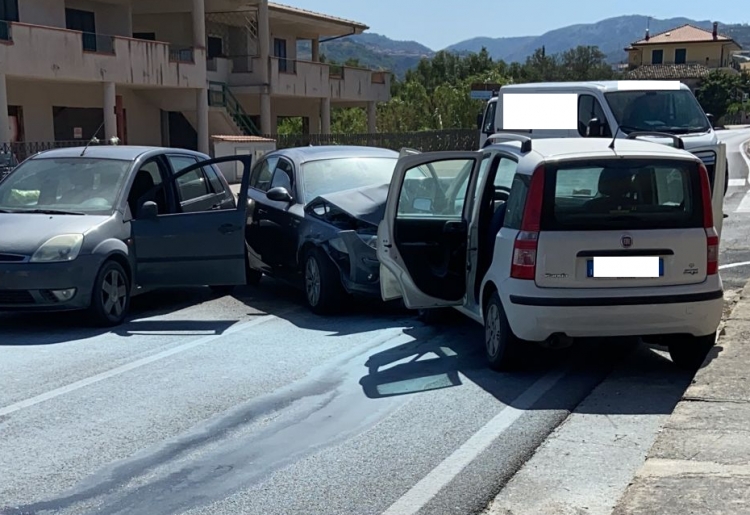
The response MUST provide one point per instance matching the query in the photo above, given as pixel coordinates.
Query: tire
(110, 298)
(502, 347)
(324, 292)
(222, 290)
(689, 352)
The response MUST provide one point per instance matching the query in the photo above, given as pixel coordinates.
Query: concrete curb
(700, 461)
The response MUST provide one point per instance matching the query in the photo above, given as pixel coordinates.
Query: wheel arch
(488, 288)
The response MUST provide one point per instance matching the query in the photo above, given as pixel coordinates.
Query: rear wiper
(50, 212)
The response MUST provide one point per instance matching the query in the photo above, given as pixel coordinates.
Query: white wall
(42, 12)
(38, 99)
(175, 28)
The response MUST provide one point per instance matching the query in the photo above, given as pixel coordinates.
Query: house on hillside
(686, 53)
(170, 72)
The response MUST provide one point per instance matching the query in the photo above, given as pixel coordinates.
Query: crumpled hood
(366, 204)
(23, 234)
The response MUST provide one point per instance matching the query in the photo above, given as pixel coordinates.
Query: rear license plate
(625, 267)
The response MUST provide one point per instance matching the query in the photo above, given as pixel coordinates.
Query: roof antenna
(612, 144)
(93, 139)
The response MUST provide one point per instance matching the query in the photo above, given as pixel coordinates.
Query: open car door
(720, 180)
(197, 248)
(423, 238)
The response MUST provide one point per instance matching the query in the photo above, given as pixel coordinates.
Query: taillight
(712, 238)
(523, 265)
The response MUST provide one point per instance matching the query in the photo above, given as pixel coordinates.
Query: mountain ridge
(611, 35)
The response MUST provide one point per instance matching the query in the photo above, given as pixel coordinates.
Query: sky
(440, 23)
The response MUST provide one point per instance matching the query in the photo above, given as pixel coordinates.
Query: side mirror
(480, 119)
(711, 119)
(279, 194)
(594, 128)
(149, 211)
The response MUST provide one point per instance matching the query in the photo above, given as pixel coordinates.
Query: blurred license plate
(625, 267)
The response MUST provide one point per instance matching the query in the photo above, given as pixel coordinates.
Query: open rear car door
(423, 238)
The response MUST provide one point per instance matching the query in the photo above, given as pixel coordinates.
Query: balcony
(38, 52)
(359, 84)
(299, 78)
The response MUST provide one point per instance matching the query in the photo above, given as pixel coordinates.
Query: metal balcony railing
(181, 54)
(219, 95)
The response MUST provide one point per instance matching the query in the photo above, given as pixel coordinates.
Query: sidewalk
(700, 462)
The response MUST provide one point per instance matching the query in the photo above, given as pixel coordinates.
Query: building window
(657, 57)
(279, 51)
(148, 36)
(680, 56)
(83, 21)
(215, 47)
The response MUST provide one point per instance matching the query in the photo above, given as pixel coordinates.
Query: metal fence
(22, 150)
(424, 141)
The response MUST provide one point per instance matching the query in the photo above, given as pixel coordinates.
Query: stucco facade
(147, 71)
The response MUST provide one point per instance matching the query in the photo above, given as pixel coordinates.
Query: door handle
(261, 211)
(228, 228)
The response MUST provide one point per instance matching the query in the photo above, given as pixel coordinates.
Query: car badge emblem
(626, 242)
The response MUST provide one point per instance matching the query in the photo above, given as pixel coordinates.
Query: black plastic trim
(569, 302)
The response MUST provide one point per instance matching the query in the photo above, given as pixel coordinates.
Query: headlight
(58, 249)
(371, 240)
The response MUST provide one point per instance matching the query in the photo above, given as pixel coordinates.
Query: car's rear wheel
(689, 352)
(110, 298)
(501, 345)
(323, 290)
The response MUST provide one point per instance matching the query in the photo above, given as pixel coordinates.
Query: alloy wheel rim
(312, 281)
(492, 330)
(114, 294)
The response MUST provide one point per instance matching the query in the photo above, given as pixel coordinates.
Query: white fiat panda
(553, 239)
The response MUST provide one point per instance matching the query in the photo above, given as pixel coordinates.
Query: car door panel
(423, 242)
(195, 248)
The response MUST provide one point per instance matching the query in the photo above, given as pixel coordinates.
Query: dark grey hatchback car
(87, 228)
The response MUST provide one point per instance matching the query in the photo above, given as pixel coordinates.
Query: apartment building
(170, 72)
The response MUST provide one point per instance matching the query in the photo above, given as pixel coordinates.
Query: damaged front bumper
(358, 262)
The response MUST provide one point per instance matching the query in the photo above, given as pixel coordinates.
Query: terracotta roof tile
(242, 139)
(305, 12)
(685, 34)
(669, 71)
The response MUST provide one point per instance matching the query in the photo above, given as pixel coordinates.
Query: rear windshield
(622, 194)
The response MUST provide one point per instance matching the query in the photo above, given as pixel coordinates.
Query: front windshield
(331, 175)
(74, 185)
(673, 111)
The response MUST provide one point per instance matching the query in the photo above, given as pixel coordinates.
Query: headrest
(615, 182)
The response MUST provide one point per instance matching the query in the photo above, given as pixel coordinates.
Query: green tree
(720, 92)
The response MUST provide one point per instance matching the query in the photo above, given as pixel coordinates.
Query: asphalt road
(735, 245)
(249, 404)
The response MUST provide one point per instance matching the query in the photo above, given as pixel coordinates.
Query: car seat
(142, 184)
(496, 224)
(616, 188)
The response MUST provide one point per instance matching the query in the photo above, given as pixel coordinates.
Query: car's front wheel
(110, 298)
(323, 290)
(689, 352)
(501, 345)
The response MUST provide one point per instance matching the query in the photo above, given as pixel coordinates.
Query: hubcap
(492, 330)
(312, 281)
(114, 293)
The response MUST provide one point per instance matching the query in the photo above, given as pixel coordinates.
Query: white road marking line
(430, 485)
(734, 265)
(744, 206)
(737, 183)
(130, 366)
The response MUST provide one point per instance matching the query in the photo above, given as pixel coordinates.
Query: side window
(517, 201)
(506, 171)
(193, 184)
(213, 179)
(425, 197)
(588, 108)
(261, 176)
(142, 189)
(282, 176)
(489, 118)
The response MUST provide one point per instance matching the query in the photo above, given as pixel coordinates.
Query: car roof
(315, 153)
(550, 149)
(604, 86)
(122, 152)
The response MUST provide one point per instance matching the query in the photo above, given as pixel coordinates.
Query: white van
(618, 108)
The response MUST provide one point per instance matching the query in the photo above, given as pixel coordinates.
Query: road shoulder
(700, 462)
